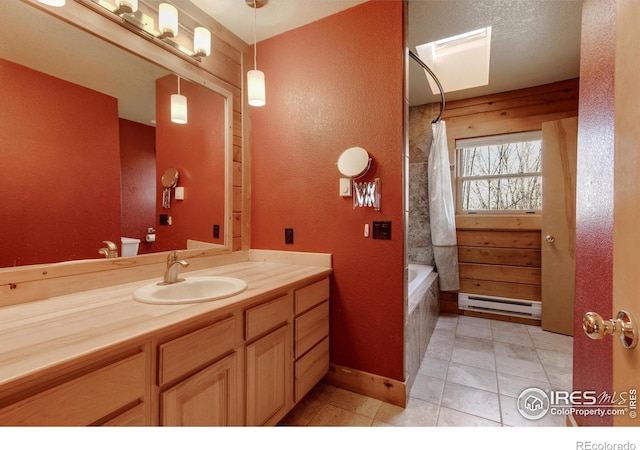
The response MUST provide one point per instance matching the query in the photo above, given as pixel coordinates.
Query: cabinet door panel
(208, 398)
(269, 370)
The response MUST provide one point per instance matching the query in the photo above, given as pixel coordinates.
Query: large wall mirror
(85, 137)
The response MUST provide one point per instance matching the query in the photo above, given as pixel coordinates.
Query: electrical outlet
(216, 231)
(288, 235)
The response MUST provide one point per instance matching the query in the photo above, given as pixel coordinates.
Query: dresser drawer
(83, 400)
(267, 316)
(311, 295)
(311, 327)
(193, 350)
(311, 368)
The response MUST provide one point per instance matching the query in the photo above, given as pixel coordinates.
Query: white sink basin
(191, 290)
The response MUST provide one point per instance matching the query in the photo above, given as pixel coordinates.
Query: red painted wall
(138, 180)
(197, 150)
(331, 85)
(592, 360)
(60, 168)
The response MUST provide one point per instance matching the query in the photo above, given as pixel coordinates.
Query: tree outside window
(500, 173)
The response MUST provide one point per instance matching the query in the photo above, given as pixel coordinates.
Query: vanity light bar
(167, 30)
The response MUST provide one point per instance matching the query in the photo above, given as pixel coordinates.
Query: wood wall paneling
(500, 255)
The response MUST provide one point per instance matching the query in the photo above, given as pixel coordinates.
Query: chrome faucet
(110, 251)
(173, 265)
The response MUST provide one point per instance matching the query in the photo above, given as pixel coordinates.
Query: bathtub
(417, 276)
(423, 308)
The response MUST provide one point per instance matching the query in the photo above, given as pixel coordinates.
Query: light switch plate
(345, 187)
(180, 193)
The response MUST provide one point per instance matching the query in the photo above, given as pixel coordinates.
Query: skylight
(459, 62)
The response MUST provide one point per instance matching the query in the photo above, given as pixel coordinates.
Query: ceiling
(533, 41)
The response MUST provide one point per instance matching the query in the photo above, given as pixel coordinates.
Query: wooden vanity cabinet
(205, 365)
(109, 392)
(268, 356)
(311, 336)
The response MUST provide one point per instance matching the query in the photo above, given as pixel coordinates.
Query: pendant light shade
(256, 88)
(178, 109)
(256, 91)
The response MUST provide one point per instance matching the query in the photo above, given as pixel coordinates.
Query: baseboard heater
(500, 305)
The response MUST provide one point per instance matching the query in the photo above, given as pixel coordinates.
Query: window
(500, 173)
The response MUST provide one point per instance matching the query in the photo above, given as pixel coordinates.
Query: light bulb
(256, 88)
(128, 6)
(168, 20)
(201, 41)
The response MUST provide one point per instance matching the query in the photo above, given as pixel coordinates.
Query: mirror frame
(89, 17)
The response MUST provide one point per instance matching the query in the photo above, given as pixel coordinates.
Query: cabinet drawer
(267, 316)
(83, 400)
(186, 353)
(311, 327)
(311, 368)
(311, 295)
(134, 417)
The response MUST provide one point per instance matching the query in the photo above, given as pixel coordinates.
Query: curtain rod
(433, 75)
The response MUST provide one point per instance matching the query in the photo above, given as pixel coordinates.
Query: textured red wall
(138, 163)
(592, 360)
(197, 150)
(331, 85)
(60, 168)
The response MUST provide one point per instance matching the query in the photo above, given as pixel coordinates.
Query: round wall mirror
(354, 162)
(170, 177)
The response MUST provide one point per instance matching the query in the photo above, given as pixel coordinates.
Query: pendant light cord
(255, 43)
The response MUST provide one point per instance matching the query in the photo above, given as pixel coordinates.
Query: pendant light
(255, 78)
(178, 107)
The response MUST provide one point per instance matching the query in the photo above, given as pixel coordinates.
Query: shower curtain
(442, 211)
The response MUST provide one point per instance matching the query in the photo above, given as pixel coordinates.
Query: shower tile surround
(420, 249)
(471, 376)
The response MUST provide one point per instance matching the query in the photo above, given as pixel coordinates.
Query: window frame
(499, 139)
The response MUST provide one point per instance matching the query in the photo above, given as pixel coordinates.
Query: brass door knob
(550, 239)
(624, 326)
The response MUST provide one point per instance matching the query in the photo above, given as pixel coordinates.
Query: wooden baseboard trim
(371, 385)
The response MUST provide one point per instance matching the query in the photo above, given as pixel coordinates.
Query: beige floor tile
(452, 418)
(550, 341)
(473, 352)
(521, 368)
(418, 413)
(357, 403)
(512, 386)
(516, 351)
(427, 388)
(473, 331)
(471, 401)
(512, 337)
(309, 406)
(474, 321)
(473, 377)
(560, 377)
(511, 417)
(441, 344)
(333, 416)
(434, 367)
(555, 358)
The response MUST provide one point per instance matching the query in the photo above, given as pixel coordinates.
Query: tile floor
(472, 373)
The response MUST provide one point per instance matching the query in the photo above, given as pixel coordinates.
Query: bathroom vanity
(99, 357)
